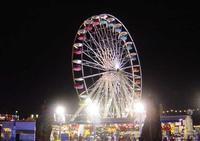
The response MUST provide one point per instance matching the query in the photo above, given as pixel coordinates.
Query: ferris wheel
(106, 67)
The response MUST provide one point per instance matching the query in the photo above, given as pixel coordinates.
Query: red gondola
(78, 86)
(77, 51)
(77, 68)
(88, 25)
(138, 81)
(82, 37)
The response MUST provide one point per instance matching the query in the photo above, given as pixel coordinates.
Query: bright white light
(88, 101)
(60, 110)
(36, 115)
(92, 109)
(60, 114)
(117, 64)
(139, 107)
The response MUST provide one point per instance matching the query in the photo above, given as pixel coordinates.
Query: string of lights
(180, 110)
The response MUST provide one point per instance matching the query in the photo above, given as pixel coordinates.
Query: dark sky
(36, 43)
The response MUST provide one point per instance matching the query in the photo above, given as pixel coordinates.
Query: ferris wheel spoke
(106, 35)
(99, 36)
(92, 90)
(126, 95)
(127, 83)
(99, 96)
(114, 52)
(129, 79)
(128, 92)
(94, 40)
(92, 65)
(88, 44)
(99, 45)
(93, 75)
(92, 58)
(124, 61)
(123, 54)
(116, 42)
(124, 81)
(101, 31)
(132, 81)
(96, 96)
(127, 67)
(107, 44)
(100, 54)
(115, 103)
(118, 95)
(106, 98)
(108, 48)
(100, 58)
(128, 74)
(111, 33)
(111, 96)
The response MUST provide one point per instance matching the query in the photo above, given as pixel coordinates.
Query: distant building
(23, 130)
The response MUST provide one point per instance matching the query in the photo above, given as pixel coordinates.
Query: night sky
(36, 44)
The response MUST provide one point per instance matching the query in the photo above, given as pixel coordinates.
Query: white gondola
(103, 16)
(117, 28)
(77, 61)
(128, 45)
(95, 20)
(137, 89)
(82, 31)
(110, 22)
(78, 79)
(88, 22)
(123, 36)
(78, 45)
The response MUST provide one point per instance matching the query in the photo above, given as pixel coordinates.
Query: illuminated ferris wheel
(106, 66)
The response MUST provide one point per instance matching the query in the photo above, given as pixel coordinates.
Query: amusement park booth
(179, 126)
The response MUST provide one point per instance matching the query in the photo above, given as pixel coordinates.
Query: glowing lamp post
(92, 110)
(139, 107)
(139, 110)
(60, 117)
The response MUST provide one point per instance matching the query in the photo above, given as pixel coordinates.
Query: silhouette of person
(152, 126)
(44, 123)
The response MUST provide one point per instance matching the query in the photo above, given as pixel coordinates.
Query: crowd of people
(97, 137)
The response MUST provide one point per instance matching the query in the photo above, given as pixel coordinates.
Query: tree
(44, 124)
(152, 126)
